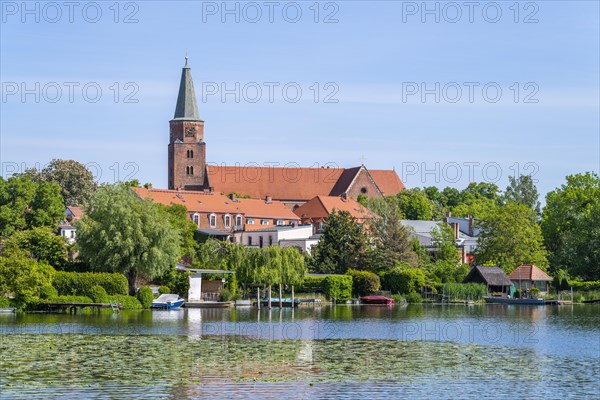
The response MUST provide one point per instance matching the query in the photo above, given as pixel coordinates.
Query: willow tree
(293, 268)
(122, 233)
(270, 270)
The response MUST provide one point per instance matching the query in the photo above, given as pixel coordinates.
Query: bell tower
(187, 150)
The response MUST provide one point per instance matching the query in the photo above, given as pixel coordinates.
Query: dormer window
(250, 221)
(212, 219)
(264, 222)
(227, 221)
(196, 219)
(280, 222)
(238, 221)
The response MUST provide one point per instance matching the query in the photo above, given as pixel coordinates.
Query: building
(299, 236)
(317, 210)
(529, 276)
(493, 277)
(188, 169)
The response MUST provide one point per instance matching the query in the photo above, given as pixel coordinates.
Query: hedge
(81, 283)
(404, 281)
(67, 299)
(364, 282)
(311, 284)
(585, 286)
(98, 294)
(338, 287)
(164, 290)
(145, 296)
(127, 302)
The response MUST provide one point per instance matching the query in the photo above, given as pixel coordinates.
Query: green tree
(522, 190)
(511, 237)
(23, 277)
(364, 282)
(443, 238)
(42, 244)
(25, 204)
(122, 233)
(343, 245)
(571, 226)
(75, 180)
(178, 217)
(293, 268)
(414, 204)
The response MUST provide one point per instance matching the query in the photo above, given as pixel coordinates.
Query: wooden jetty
(72, 308)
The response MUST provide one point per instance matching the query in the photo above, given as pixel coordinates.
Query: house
(467, 236)
(493, 277)
(67, 231)
(289, 184)
(317, 210)
(299, 236)
(529, 276)
(73, 213)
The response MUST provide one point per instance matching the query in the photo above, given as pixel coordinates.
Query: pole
(293, 303)
(269, 297)
(258, 297)
(280, 299)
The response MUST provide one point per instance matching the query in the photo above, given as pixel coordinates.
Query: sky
(446, 93)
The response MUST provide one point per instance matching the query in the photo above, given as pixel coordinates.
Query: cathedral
(189, 171)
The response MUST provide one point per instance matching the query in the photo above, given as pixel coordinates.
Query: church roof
(187, 107)
(387, 181)
(292, 183)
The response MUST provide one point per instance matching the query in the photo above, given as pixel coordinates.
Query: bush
(98, 294)
(48, 292)
(404, 281)
(227, 295)
(338, 287)
(164, 290)
(465, 291)
(364, 282)
(67, 299)
(145, 296)
(311, 284)
(584, 286)
(413, 297)
(177, 281)
(127, 302)
(4, 302)
(80, 283)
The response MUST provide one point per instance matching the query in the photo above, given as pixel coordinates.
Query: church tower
(187, 150)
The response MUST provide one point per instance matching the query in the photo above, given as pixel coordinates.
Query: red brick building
(188, 169)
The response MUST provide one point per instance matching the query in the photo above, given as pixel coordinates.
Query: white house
(300, 236)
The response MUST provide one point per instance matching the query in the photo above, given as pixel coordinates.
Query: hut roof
(529, 272)
(493, 276)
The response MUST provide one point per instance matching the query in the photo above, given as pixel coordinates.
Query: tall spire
(186, 100)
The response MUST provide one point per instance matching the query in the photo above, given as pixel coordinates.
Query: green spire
(186, 100)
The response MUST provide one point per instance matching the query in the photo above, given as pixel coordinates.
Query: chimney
(470, 225)
(455, 228)
(448, 214)
(269, 200)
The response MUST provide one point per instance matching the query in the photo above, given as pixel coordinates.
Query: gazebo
(529, 276)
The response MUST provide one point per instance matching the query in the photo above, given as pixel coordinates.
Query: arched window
(190, 154)
(191, 170)
(187, 170)
(212, 219)
(227, 221)
(238, 221)
(196, 219)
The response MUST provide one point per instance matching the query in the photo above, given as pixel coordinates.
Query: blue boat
(168, 302)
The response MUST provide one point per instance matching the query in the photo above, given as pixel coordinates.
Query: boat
(377, 300)
(505, 300)
(168, 302)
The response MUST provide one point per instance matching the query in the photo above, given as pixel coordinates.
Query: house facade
(526, 277)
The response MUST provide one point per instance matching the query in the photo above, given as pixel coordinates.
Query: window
(264, 222)
(270, 240)
(250, 221)
(260, 242)
(190, 154)
(363, 190)
(196, 219)
(280, 222)
(189, 170)
(212, 219)
(238, 220)
(227, 221)
(249, 240)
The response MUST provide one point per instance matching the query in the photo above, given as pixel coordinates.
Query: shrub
(465, 291)
(404, 281)
(127, 302)
(364, 282)
(48, 292)
(80, 283)
(145, 296)
(164, 290)
(585, 286)
(227, 295)
(98, 294)
(67, 299)
(311, 284)
(4, 302)
(177, 281)
(338, 287)
(413, 297)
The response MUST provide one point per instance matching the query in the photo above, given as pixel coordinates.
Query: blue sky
(376, 61)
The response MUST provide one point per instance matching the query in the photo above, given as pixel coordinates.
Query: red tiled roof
(77, 212)
(529, 272)
(262, 209)
(387, 181)
(321, 206)
(293, 183)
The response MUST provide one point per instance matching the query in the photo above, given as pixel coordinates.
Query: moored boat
(376, 300)
(168, 302)
(503, 300)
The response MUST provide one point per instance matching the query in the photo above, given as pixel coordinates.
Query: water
(484, 351)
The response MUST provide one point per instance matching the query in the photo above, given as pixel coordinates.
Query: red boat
(377, 300)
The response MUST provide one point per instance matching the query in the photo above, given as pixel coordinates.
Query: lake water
(353, 352)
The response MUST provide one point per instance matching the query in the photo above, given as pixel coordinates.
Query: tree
(511, 237)
(25, 204)
(392, 239)
(443, 238)
(343, 245)
(571, 227)
(42, 244)
(75, 180)
(522, 190)
(122, 233)
(23, 277)
(293, 268)
(414, 204)
(178, 217)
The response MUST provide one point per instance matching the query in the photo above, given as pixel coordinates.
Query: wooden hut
(493, 277)
(529, 276)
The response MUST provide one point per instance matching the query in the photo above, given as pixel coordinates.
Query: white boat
(168, 301)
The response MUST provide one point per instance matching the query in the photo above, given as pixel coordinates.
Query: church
(188, 169)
